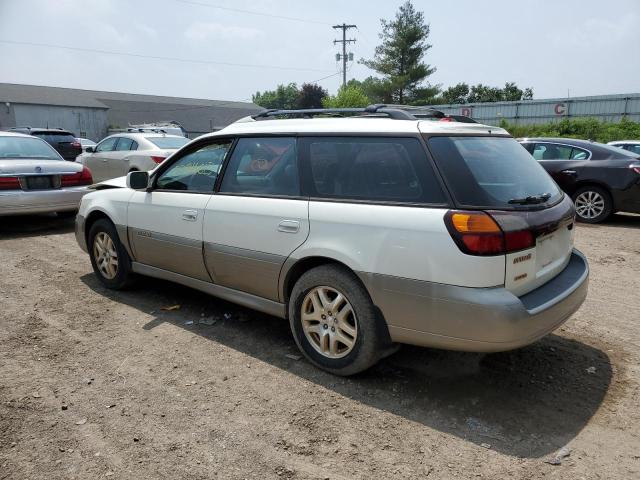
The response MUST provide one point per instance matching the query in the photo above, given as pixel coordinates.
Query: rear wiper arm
(531, 199)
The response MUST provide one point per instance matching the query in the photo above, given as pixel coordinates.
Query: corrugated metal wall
(610, 108)
(82, 121)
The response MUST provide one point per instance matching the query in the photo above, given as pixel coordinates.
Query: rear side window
(263, 166)
(491, 172)
(124, 144)
(552, 151)
(374, 169)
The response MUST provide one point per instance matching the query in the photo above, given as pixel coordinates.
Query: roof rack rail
(371, 110)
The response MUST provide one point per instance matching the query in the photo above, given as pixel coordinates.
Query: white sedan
(119, 154)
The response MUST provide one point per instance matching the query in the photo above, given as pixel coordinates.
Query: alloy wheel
(589, 204)
(105, 255)
(329, 322)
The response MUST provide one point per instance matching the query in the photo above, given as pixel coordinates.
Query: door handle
(190, 215)
(569, 172)
(289, 226)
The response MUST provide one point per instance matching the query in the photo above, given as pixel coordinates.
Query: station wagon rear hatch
(506, 204)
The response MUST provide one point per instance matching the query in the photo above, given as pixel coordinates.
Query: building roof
(194, 114)
(14, 93)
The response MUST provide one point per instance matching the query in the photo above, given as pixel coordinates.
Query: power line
(251, 12)
(157, 57)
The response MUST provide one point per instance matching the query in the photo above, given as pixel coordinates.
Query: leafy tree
(284, 96)
(399, 58)
(483, 93)
(461, 93)
(311, 96)
(348, 96)
(374, 88)
(457, 94)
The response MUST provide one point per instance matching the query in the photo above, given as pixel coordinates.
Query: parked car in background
(85, 142)
(601, 179)
(363, 232)
(171, 128)
(117, 155)
(34, 178)
(632, 146)
(64, 142)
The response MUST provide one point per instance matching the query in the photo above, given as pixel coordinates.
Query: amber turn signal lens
(474, 223)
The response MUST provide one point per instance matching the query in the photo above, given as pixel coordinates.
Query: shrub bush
(584, 128)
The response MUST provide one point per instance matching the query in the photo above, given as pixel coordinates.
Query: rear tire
(334, 321)
(593, 204)
(110, 260)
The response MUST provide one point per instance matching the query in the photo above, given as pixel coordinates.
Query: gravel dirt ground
(102, 384)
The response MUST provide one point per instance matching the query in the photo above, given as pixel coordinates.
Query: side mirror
(138, 180)
(90, 150)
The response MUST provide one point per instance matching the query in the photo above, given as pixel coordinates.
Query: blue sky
(586, 47)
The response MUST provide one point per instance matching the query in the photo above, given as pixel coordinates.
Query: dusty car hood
(19, 167)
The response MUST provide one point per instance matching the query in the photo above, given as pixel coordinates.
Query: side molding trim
(245, 299)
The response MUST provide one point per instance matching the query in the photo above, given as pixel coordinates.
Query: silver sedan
(34, 178)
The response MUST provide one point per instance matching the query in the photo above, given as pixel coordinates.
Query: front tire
(593, 204)
(110, 260)
(334, 321)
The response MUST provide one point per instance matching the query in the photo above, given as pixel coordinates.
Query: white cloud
(202, 31)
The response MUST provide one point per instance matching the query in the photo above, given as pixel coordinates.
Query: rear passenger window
(263, 166)
(124, 144)
(551, 151)
(375, 169)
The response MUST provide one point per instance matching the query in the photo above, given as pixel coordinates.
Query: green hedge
(585, 128)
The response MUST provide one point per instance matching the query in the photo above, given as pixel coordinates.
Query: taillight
(9, 183)
(447, 119)
(477, 233)
(635, 167)
(76, 144)
(158, 159)
(77, 179)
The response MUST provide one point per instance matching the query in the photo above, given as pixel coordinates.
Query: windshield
(26, 147)
(168, 142)
(492, 172)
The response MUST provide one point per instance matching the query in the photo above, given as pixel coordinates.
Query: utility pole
(344, 27)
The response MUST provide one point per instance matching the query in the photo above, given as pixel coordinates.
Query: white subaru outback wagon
(364, 231)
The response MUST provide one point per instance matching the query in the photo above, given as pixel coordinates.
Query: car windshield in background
(168, 142)
(26, 147)
(492, 172)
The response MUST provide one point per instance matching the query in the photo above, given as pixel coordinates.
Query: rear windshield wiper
(531, 199)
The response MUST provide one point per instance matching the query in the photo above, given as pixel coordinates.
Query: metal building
(609, 108)
(90, 113)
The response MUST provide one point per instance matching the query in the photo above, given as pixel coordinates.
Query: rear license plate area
(42, 182)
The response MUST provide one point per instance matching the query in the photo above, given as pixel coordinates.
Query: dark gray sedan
(34, 178)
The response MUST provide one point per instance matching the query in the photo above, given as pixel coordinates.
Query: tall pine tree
(399, 58)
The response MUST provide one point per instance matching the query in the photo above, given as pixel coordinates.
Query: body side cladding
(241, 298)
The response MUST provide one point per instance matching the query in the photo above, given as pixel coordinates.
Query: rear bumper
(477, 319)
(21, 202)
